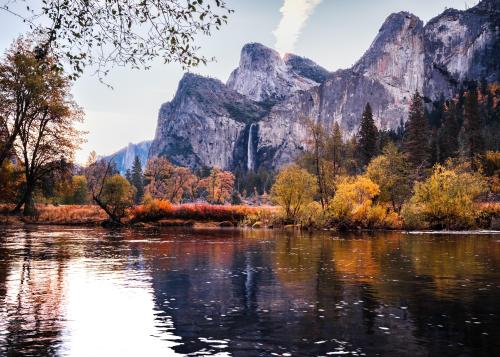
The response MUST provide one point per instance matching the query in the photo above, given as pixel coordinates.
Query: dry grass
(71, 214)
(153, 211)
(68, 214)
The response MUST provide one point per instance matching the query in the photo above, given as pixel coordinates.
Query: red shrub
(157, 209)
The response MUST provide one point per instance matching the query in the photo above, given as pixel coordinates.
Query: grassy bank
(157, 212)
(164, 214)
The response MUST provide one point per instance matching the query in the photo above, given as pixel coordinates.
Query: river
(95, 292)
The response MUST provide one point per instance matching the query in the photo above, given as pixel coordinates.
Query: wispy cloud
(294, 16)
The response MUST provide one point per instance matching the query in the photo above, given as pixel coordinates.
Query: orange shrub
(152, 210)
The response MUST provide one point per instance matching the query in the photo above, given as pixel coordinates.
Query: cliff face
(259, 114)
(203, 123)
(124, 158)
(462, 45)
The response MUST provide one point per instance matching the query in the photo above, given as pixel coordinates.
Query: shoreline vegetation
(200, 215)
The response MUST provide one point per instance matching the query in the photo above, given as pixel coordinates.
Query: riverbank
(202, 215)
(157, 214)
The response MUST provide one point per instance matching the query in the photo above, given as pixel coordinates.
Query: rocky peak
(192, 84)
(124, 158)
(402, 32)
(306, 68)
(257, 57)
(396, 56)
(262, 75)
(489, 5)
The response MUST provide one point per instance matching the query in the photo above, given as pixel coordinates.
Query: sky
(333, 33)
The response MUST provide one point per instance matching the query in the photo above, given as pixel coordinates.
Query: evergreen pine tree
(138, 180)
(449, 132)
(472, 127)
(416, 141)
(367, 143)
(128, 175)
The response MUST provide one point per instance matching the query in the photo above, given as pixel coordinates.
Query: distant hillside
(124, 158)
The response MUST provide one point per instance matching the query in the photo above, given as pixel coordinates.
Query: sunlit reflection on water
(92, 292)
(115, 312)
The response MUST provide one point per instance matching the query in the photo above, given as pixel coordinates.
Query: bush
(445, 200)
(151, 210)
(353, 205)
(155, 209)
(491, 163)
(313, 216)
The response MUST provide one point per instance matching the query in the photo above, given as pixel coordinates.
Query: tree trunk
(29, 204)
(106, 209)
(17, 209)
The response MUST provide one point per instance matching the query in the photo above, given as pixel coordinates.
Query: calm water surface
(92, 292)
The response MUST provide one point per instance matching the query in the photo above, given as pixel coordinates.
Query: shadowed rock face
(207, 123)
(203, 122)
(462, 45)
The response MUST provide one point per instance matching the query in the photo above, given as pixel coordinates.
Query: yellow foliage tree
(445, 200)
(11, 180)
(293, 190)
(354, 205)
(353, 197)
(391, 172)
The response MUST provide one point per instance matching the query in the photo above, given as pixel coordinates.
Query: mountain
(263, 75)
(257, 117)
(204, 123)
(124, 158)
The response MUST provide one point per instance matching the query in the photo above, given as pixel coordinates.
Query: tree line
(429, 172)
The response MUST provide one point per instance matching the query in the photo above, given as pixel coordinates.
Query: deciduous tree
(293, 190)
(121, 32)
(218, 185)
(391, 172)
(444, 200)
(23, 92)
(47, 137)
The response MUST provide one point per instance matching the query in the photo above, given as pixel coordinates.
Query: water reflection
(100, 293)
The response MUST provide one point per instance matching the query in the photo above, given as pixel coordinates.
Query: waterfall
(250, 158)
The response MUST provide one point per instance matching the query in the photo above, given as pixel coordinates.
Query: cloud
(294, 16)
